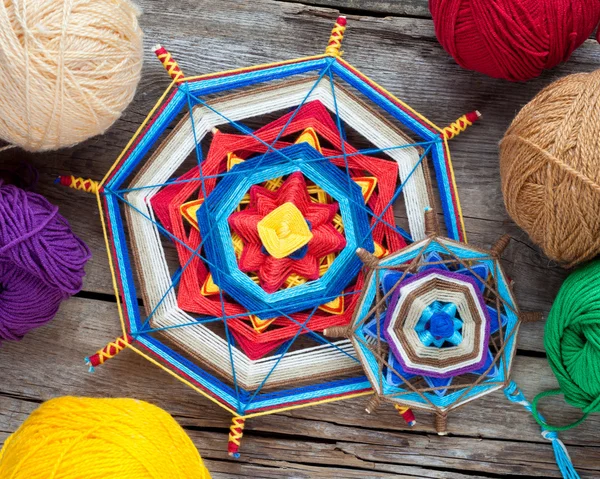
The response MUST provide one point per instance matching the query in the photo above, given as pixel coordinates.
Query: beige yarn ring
(68, 68)
(550, 168)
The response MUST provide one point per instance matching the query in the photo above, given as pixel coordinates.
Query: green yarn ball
(572, 341)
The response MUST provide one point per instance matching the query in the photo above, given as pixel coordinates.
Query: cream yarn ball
(68, 69)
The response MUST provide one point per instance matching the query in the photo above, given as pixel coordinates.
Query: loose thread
(514, 394)
(572, 341)
(540, 419)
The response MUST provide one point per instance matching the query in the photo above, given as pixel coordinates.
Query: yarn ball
(41, 261)
(572, 341)
(67, 69)
(75, 438)
(550, 168)
(513, 39)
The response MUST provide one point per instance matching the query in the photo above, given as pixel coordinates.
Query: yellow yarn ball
(68, 69)
(75, 438)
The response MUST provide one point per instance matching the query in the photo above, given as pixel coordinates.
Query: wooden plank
(379, 454)
(281, 469)
(490, 436)
(412, 8)
(405, 456)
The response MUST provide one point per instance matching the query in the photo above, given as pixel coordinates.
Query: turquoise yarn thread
(514, 394)
(572, 341)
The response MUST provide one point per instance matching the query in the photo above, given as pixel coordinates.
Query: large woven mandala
(436, 325)
(235, 214)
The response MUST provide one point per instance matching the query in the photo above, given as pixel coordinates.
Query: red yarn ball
(513, 39)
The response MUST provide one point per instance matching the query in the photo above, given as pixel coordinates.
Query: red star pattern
(272, 272)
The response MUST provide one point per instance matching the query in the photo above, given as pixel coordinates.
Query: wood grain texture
(489, 438)
(413, 8)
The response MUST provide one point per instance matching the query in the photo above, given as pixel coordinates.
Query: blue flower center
(441, 325)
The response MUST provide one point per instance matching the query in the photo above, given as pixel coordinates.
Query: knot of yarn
(572, 341)
(441, 325)
(549, 435)
(41, 261)
(513, 39)
(550, 169)
(514, 394)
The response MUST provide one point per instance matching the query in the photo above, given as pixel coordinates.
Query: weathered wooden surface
(397, 47)
(384, 8)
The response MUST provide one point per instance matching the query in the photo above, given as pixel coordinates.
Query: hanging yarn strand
(572, 342)
(514, 394)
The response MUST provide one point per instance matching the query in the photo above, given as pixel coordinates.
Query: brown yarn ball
(550, 168)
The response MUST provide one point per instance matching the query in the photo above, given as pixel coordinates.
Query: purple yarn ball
(41, 261)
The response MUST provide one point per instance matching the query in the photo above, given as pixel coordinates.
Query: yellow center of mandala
(284, 230)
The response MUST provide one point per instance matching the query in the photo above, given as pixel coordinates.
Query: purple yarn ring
(389, 317)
